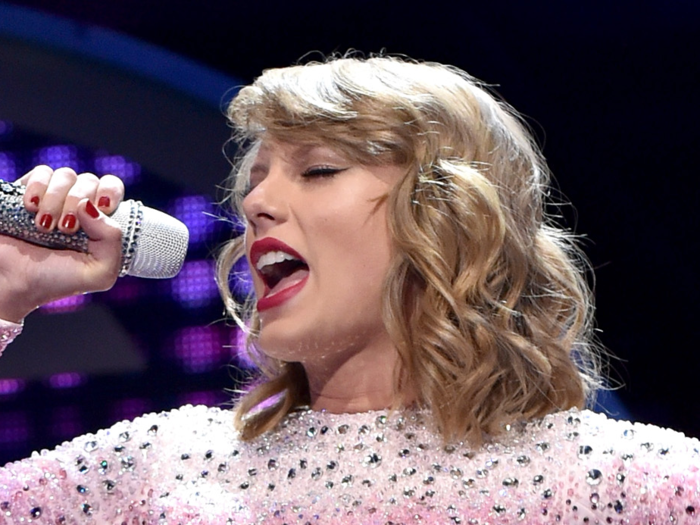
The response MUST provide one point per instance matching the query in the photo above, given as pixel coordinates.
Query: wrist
(15, 304)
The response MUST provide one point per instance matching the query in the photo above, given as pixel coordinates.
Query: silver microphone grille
(154, 243)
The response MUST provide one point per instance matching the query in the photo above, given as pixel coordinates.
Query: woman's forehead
(295, 152)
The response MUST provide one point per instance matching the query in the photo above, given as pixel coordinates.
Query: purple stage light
(199, 349)
(67, 304)
(196, 211)
(8, 167)
(195, 286)
(11, 386)
(58, 157)
(14, 428)
(126, 290)
(66, 380)
(117, 165)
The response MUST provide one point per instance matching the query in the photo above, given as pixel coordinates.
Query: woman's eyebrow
(258, 172)
(302, 152)
(317, 151)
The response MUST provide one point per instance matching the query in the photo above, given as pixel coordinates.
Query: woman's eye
(322, 171)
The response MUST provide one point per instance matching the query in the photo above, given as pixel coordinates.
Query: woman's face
(319, 249)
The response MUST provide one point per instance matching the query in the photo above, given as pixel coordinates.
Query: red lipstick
(270, 301)
(260, 248)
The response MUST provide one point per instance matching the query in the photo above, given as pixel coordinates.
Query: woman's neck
(364, 380)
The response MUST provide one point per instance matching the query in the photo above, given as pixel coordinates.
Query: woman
(408, 288)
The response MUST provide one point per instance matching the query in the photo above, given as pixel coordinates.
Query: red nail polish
(69, 221)
(91, 210)
(104, 202)
(46, 221)
(34, 200)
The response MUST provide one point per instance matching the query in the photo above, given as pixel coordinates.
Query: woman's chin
(284, 349)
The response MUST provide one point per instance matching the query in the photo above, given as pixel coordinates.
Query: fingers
(109, 194)
(36, 182)
(54, 196)
(84, 187)
(48, 194)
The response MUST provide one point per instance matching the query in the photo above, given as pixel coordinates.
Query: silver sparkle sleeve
(154, 244)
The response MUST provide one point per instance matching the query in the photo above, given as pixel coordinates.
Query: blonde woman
(422, 327)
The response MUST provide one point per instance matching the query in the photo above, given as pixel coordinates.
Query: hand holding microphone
(154, 244)
(88, 249)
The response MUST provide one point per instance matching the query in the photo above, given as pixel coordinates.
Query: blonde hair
(486, 300)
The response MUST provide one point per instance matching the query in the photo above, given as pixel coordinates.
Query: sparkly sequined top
(189, 466)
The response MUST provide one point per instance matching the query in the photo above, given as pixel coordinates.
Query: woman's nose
(264, 204)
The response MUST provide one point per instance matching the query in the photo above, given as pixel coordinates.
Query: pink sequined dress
(189, 466)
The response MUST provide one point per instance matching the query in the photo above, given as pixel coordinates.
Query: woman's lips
(288, 286)
(283, 291)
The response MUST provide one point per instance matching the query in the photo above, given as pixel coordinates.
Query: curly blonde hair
(486, 300)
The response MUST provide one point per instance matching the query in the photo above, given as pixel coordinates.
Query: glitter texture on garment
(189, 466)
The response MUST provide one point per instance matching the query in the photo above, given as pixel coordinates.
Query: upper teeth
(273, 258)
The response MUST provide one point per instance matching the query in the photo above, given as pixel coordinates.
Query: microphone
(154, 244)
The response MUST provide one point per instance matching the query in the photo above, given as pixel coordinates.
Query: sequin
(196, 470)
(510, 482)
(594, 477)
(584, 450)
(523, 461)
(373, 460)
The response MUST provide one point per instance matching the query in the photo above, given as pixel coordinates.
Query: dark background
(610, 90)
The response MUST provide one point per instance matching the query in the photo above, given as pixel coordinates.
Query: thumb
(105, 239)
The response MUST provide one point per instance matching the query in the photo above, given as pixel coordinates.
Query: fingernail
(46, 221)
(104, 202)
(92, 211)
(69, 221)
(34, 200)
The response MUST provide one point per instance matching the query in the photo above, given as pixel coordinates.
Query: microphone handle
(17, 222)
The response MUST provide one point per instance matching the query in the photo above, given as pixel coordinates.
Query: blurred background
(137, 88)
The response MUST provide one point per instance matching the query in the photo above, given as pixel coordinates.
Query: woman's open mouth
(282, 270)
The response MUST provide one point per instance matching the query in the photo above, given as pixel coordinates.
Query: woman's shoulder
(200, 420)
(598, 447)
(186, 425)
(185, 428)
(151, 436)
(115, 471)
(594, 466)
(611, 435)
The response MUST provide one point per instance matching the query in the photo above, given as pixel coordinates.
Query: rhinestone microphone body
(154, 244)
